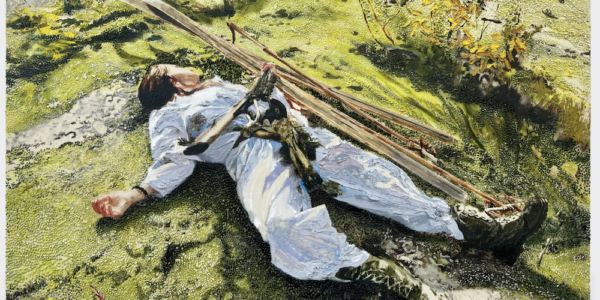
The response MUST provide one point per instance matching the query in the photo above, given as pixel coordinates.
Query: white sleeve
(171, 168)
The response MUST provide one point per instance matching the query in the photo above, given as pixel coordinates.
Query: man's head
(162, 82)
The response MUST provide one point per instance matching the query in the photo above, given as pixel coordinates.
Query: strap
(141, 189)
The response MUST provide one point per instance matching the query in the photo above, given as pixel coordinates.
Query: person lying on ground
(303, 242)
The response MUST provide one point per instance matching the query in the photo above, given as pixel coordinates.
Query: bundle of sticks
(406, 157)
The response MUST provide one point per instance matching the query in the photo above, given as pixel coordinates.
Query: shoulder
(168, 116)
(227, 94)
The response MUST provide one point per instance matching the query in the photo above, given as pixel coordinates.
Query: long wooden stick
(343, 122)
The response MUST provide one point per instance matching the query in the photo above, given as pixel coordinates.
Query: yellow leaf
(507, 64)
(509, 54)
(466, 42)
(494, 47)
(521, 44)
(497, 36)
(482, 48)
(511, 45)
(454, 44)
(474, 49)
(427, 2)
(427, 29)
(518, 29)
(475, 72)
(483, 64)
(491, 65)
(412, 33)
(407, 23)
(503, 55)
(414, 12)
(468, 33)
(473, 60)
(519, 50)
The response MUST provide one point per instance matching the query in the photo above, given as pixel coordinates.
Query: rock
(409, 247)
(554, 45)
(404, 260)
(389, 245)
(89, 116)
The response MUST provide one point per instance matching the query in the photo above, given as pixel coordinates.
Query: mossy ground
(198, 242)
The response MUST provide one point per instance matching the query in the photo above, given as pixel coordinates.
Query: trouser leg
(303, 242)
(372, 183)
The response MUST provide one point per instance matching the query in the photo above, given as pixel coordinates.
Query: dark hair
(156, 89)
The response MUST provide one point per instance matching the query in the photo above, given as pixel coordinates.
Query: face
(183, 78)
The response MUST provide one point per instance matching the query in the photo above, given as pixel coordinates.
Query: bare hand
(116, 203)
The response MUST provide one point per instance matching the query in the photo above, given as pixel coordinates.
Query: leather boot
(385, 274)
(504, 236)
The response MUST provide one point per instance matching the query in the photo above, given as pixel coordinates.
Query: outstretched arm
(116, 203)
(170, 168)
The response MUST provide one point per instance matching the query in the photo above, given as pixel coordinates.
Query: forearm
(137, 195)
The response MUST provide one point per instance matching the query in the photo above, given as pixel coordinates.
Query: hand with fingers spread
(114, 204)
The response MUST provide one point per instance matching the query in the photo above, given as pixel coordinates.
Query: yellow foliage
(494, 47)
(521, 44)
(414, 12)
(468, 33)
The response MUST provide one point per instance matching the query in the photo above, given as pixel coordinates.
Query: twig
(491, 20)
(369, 27)
(97, 293)
(548, 241)
(379, 23)
(481, 35)
(386, 23)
